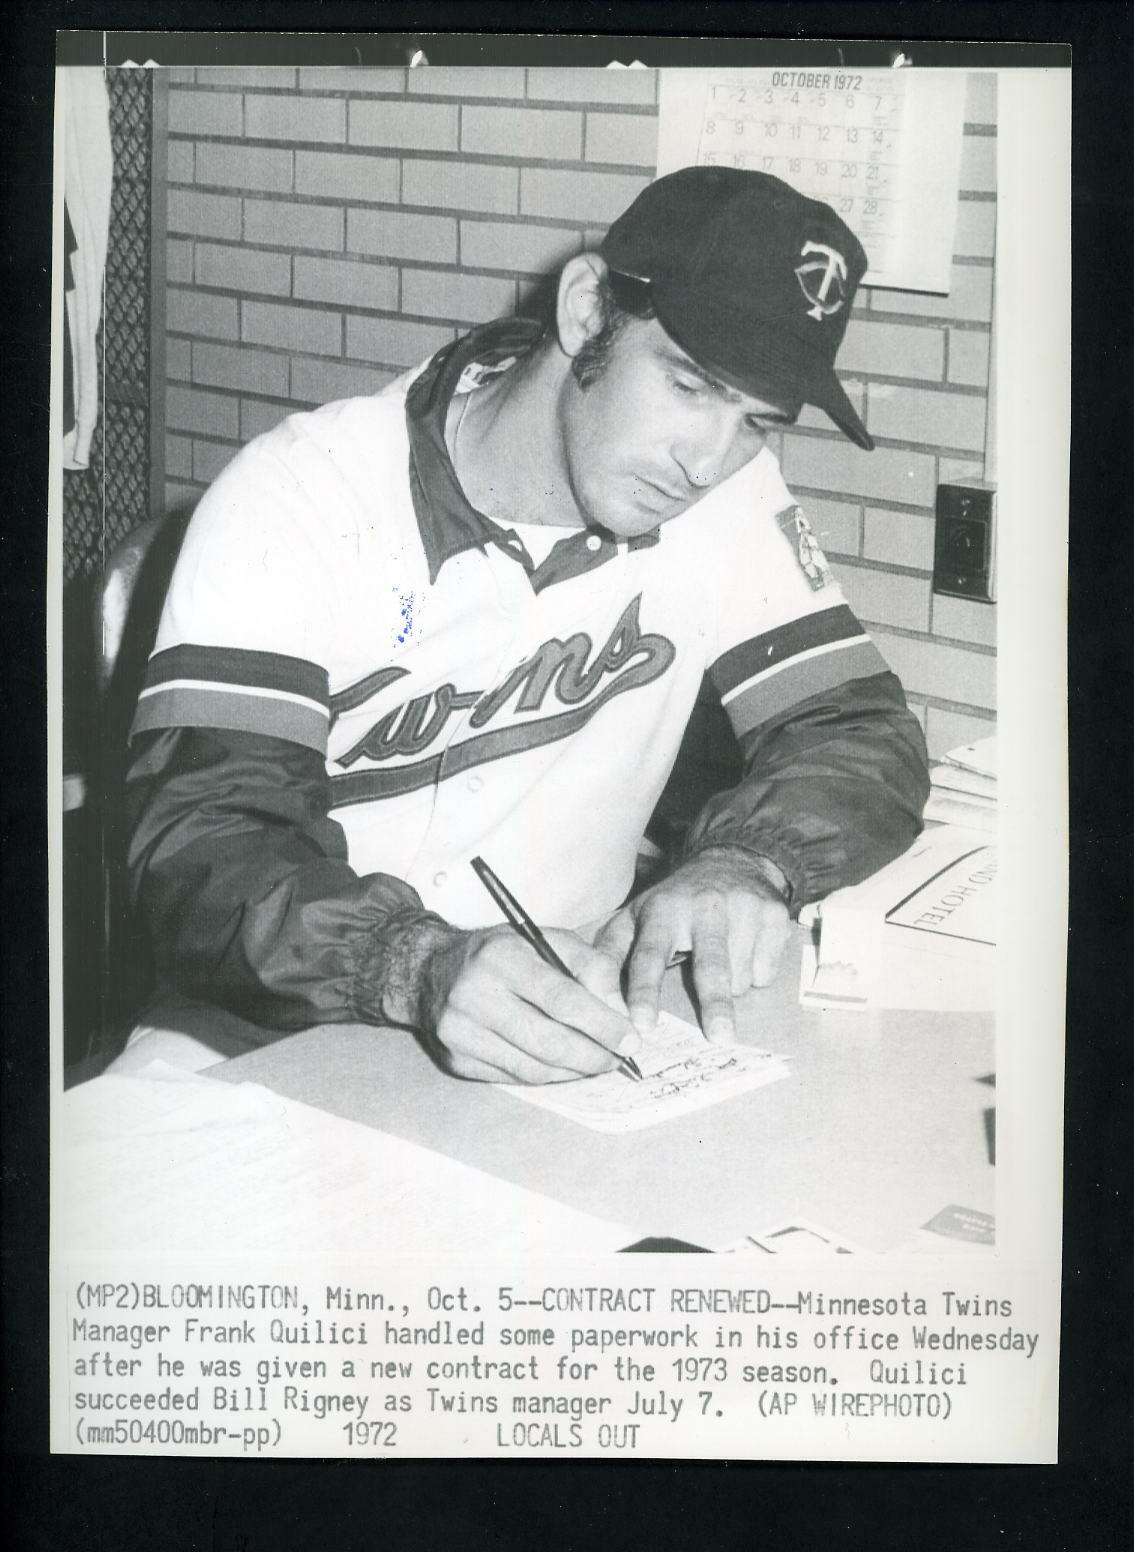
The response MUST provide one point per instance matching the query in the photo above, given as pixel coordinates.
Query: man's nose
(704, 457)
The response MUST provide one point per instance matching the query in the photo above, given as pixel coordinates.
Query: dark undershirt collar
(449, 524)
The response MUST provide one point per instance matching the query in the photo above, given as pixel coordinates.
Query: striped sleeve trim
(767, 675)
(225, 687)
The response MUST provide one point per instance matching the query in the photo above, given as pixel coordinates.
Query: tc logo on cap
(832, 272)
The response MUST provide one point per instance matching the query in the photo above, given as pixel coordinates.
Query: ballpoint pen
(530, 932)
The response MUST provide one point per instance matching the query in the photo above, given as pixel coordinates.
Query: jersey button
(476, 783)
(594, 543)
(440, 879)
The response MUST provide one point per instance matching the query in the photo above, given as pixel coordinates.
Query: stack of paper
(169, 1163)
(963, 789)
(921, 933)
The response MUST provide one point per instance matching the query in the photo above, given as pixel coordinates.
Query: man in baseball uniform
(471, 613)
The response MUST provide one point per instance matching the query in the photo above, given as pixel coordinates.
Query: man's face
(654, 433)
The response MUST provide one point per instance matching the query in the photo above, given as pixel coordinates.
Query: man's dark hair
(620, 298)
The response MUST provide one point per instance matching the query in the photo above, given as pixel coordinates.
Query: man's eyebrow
(722, 390)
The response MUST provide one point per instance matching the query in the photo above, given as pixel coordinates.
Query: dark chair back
(127, 608)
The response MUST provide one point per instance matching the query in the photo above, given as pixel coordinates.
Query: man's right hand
(501, 1015)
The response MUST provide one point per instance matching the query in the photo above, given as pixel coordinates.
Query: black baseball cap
(751, 278)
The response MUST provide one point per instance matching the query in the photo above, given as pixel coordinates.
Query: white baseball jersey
(331, 591)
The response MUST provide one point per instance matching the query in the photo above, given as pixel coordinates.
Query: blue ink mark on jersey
(406, 602)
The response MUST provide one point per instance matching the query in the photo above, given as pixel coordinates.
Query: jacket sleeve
(240, 879)
(832, 790)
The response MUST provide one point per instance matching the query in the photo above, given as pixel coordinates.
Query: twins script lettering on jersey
(569, 674)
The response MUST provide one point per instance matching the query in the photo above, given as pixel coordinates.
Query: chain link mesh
(103, 981)
(104, 501)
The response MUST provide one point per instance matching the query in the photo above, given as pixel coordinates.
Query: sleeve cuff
(387, 963)
(762, 848)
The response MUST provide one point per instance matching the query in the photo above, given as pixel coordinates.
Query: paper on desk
(959, 778)
(979, 757)
(920, 933)
(955, 808)
(963, 787)
(167, 1162)
(796, 1237)
(682, 1072)
(911, 979)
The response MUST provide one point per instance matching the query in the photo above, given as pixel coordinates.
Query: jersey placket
(521, 604)
(501, 577)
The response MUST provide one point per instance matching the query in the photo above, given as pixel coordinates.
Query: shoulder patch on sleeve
(812, 562)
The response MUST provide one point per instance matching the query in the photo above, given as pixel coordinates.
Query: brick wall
(329, 227)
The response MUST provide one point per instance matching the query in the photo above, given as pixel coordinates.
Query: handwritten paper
(681, 1073)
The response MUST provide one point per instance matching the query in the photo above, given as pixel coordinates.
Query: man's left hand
(722, 907)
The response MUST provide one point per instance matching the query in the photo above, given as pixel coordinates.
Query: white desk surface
(883, 1122)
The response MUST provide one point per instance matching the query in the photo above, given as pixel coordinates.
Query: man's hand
(724, 908)
(500, 1014)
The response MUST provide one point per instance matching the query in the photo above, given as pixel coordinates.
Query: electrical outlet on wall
(964, 545)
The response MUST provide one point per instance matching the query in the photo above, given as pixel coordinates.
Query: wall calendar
(883, 147)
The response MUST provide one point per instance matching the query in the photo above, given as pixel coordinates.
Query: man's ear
(578, 311)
